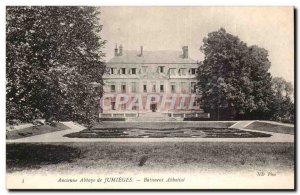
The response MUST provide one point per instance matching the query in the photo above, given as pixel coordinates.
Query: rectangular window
(193, 71)
(133, 71)
(161, 69)
(112, 88)
(183, 87)
(172, 71)
(133, 101)
(123, 106)
(123, 88)
(133, 87)
(113, 105)
(123, 70)
(111, 71)
(144, 69)
(161, 88)
(154, 88)
(173, 88)
(182, 105)
(145, 88)
(193, 87)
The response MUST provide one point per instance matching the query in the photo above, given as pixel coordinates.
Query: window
(145, 88)
(193, 87)
(144, 69)
(182, 105)
(161, 88)
(173, 88)
(193, 71)
(123, 106)
(133, 103)
(112, 88)
(113, 105)
(123, 70)
(133, 71)
(123, 88)
(182, 71)
(161, 69)
(133, 87)
(172, 71)
(183, 87)
(111, 71)
(154, 88)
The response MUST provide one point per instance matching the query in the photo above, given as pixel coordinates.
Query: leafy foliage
(234, 80)
(53, 54)
(283, 104)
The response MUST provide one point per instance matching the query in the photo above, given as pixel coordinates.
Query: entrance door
(153, 107)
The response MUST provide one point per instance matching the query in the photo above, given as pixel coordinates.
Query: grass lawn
(144, 157)
(31, 131)
(271, 127)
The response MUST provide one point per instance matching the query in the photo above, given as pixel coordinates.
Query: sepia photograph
(150, 98)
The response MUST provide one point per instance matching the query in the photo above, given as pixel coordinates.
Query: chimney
(116, 50)
(120, 50)
(185, 52)
(141, 54)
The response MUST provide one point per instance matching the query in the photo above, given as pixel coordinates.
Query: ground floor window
(113, 105)
(123, 106)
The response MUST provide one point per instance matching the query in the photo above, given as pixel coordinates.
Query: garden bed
(164, 133)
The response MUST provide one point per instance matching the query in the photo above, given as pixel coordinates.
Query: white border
(114, 3)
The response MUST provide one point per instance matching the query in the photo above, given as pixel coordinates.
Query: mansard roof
(151, 57)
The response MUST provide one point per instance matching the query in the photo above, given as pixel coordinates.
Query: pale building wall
(182, 75)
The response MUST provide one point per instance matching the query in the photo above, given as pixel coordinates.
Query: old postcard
(150, 97)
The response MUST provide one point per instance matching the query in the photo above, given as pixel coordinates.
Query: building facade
(148, 83)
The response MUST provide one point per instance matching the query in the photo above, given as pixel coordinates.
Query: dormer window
(123, 70)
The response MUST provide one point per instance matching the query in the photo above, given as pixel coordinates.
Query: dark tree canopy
(233, 78)
(283, 101)
(53, 54)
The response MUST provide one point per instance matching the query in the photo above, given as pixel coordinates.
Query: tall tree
(257, 62)
(283, 101)
(53, 54)
(229, 82)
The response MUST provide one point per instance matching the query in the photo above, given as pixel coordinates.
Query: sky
(170, 28)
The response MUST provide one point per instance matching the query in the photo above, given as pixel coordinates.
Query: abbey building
(150, 83)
